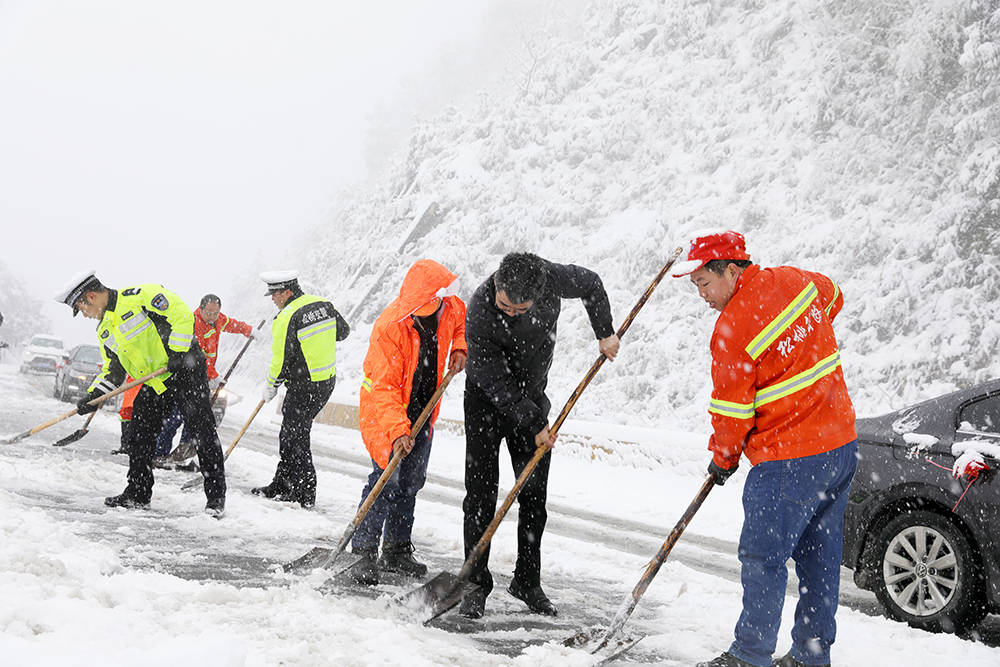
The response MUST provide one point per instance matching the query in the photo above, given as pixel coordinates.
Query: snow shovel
(323, 557)
(597, 641)
(186, 450)
(446, 590)
(192, 483)
(75, 435)
(96, 401)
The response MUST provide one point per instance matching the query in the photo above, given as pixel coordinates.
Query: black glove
(721, 474)
(83, 407)
(176, 362)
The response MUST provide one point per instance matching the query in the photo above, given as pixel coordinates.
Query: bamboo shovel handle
(98, 400)
(243, 430)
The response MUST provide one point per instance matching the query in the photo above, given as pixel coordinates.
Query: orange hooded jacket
(393, 351)
(778, 386)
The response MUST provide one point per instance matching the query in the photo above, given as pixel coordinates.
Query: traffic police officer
(304, 358)
(142, 329)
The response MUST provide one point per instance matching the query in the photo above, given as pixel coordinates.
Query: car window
(89, 355)
(47, 342)
(983, 416)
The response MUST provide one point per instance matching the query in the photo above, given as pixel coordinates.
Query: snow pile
(856, 139)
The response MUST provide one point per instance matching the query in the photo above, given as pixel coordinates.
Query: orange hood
(425, 280)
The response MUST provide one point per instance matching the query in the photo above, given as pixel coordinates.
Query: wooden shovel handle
(243, 430)
(618, 622)
(232, 367)
(98, 400)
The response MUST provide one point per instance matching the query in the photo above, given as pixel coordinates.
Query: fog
(185, 142)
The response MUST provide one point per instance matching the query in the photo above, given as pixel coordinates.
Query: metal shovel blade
(192, 483)
(597, 642)
(11, 439)
(321, 557)
(72, 437)
(436, 596)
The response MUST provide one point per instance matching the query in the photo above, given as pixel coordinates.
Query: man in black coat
(510, 328)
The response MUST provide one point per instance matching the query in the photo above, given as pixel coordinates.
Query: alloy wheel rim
(920, 570)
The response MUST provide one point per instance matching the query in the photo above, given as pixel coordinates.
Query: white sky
(207, 132)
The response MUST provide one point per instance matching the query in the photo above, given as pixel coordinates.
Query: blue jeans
(793, 509)
(165, 439)
(392, 512)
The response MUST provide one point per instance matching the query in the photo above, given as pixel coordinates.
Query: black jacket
(509, 357)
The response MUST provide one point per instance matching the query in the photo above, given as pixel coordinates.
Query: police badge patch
(159, 302)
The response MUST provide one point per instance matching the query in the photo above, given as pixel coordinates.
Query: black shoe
(474, 604)
(725, 660)
(272, 490)
(365, 571)
(120, 450)
(788, 661)
(399, 558)
(216, 507)
(534, 597)
(126, 501)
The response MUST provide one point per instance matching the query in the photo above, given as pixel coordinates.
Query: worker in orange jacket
(778, 397)
(413, 339)
(209, 324)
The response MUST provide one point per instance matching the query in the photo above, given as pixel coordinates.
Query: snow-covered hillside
(858, 139)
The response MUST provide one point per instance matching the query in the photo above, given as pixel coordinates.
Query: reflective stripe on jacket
(139, 326)
(304, 340)
(208, 336)
(393, 352)
(778, 386)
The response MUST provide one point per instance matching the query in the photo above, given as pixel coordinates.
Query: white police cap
(279, 280)
(75, 288)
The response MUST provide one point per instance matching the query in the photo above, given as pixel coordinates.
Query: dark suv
(75, 374)
(928, 544)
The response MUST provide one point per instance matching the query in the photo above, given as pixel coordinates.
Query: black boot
(126, 501)
(474, 604)
(216, 507)
(534, 597)
(365, 571)
(788, 661)
(725, 660)
(272, 490)
(399, 558)
(123, 447)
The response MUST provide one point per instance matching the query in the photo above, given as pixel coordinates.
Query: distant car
(42, 353)
(930, 553)
(77, 372)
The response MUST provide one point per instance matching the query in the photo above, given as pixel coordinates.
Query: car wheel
(925, 573)
(55, 389)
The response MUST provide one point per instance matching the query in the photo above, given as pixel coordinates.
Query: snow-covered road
(81, 585)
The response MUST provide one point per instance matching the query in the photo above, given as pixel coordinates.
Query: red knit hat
(713, 245)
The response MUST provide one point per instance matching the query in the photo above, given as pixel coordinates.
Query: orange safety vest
(393, 352)
(778, 386)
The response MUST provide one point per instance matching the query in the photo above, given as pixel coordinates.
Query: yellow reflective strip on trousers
(731, 409)
(798, 382)
(836, 293)
(779, 324)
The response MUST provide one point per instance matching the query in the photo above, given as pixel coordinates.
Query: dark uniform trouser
(296, 474)
(188, 391)
(484, 429)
